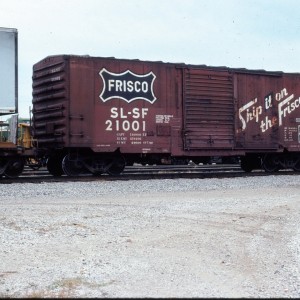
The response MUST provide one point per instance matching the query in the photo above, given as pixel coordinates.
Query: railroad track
(138, 172)
(146, 170)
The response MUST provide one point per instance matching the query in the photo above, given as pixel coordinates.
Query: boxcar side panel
(81, 111)
(288, 102)
(152, 107)
(106, 104)
(268, 111)
(133, 106)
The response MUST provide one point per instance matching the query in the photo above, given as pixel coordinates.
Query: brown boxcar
(93, 114)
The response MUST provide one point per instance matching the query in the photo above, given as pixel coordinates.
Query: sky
(252, 34)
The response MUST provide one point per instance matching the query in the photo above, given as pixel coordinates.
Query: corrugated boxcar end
(50, 101)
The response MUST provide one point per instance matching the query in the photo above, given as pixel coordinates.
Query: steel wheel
(14, 168)
(3, 165)
(270, 163)
(296, 166)
(117, 166)
(54, 165)
(72, 166)
(246, 165)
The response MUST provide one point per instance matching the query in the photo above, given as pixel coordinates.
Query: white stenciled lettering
(145, 87)
(116, 85)
(144, 112)
(125, 125)
(57, 78)
(114, 112)
(136, 113)
(283, 93)
(111, 84)
(268, 102)
(266, 123)
(109, 125)
(127, 86)
(123, 120)
(251, 114)
(119, 85)
(136, 86)
(287, 106)
(163, 119)
(130, 86)
(122, 114)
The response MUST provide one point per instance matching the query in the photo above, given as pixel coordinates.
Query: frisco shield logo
(127, 86)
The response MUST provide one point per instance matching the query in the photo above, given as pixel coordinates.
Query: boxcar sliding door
(208, 109)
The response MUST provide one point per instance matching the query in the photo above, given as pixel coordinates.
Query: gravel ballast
(237, 237)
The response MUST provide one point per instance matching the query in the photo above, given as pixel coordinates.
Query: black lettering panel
(127, 86)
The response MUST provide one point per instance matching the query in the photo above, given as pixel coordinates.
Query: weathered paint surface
(155, 107)
(268, 113)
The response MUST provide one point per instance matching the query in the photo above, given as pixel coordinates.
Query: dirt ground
(227, 241)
